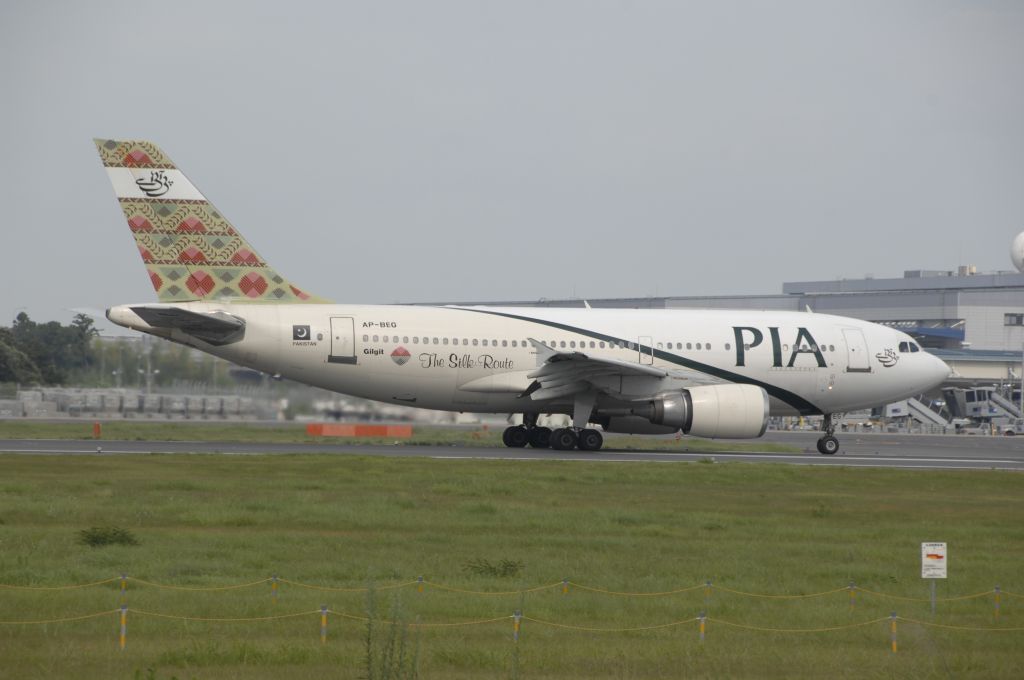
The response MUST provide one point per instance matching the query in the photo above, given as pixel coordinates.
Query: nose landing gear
(828, 445)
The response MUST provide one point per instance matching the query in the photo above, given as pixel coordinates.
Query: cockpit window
(904, 347)
(914, 347)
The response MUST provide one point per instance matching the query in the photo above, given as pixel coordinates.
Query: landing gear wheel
(590, 440)
(540, 437)
(563, 439)
(828, 445)
(515, 437)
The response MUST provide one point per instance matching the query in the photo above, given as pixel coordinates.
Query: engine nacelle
(713, 411)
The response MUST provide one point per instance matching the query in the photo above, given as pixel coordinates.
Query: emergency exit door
(343, 345)
(857, 360)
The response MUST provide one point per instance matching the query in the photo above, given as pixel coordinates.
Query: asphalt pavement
(856, 450)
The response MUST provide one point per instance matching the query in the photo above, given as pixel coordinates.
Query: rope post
(124, 627)
(703, 621)
(517, 618)
(892, 631)
(707, 593)
(124, 587)
(273, 588)
(323, 624)
(853, 590)
(419, 584)
(565, 586)
(997, 602)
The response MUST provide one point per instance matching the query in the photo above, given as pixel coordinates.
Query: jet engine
(713, 411)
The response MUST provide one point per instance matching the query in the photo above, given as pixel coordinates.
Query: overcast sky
(423, 151)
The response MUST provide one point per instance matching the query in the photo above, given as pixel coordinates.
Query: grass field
(345, 522)
(423, 435)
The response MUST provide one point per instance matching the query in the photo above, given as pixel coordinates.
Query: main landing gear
(562, 439)
(828, 445)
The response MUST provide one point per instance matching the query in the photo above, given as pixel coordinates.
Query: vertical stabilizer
(191, 251)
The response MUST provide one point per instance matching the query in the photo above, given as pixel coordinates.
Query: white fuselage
(478, 358)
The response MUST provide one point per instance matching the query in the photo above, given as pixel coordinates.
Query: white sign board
(933, 560)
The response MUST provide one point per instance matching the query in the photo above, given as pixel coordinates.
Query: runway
(862, 450)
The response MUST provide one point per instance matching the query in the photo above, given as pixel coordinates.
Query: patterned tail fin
(191, 251)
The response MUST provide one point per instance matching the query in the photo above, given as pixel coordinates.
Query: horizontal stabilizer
(215, 328)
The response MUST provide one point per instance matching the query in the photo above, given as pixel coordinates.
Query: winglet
(190, 250)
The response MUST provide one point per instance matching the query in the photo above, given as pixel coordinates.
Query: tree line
(50, 354)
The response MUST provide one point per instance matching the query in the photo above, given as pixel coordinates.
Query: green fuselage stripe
(803, 406)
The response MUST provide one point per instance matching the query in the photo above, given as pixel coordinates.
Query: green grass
(423, 435)
(348, 522)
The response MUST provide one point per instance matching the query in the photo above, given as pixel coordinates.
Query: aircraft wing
(215, 328)
(560, 374)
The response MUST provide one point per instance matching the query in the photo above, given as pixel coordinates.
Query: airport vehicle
(709, 373)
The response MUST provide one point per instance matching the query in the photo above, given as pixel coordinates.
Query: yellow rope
(780, 597)
(420, 625)
(1006, 592)
(222, 620)
(345, 590)
(796, 630)
(636, 594)
(535, 589)
(948, 627)
(197, 588)
(607, 630)
(925, 599)
(61, 620)
(72, 587)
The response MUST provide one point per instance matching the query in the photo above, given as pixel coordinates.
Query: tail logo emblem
(400, 356)
(158, 184)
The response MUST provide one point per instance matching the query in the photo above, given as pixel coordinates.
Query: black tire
(540, 437)
(563, 439)
(590, 440)
(828, 446)
(515, 437)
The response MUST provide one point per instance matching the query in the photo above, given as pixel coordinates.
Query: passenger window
(727, 346)
(504, 343)
(572, 343)
(593, 344)
(415, 340)
(445, 340)
(435, 341)
(515, 344)
(366, 338)
(475, 342)
(405, 338)
(689, 345)
(375, 339)
(485, 342)
(563, 343)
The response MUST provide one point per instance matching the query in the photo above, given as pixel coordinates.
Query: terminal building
(973, 321)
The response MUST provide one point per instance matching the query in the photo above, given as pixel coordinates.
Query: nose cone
(938, 370)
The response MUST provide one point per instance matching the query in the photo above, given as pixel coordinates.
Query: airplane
(707, 373)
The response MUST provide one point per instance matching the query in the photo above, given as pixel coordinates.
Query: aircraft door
(343, 345)
(857, 360)
(646, 349)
